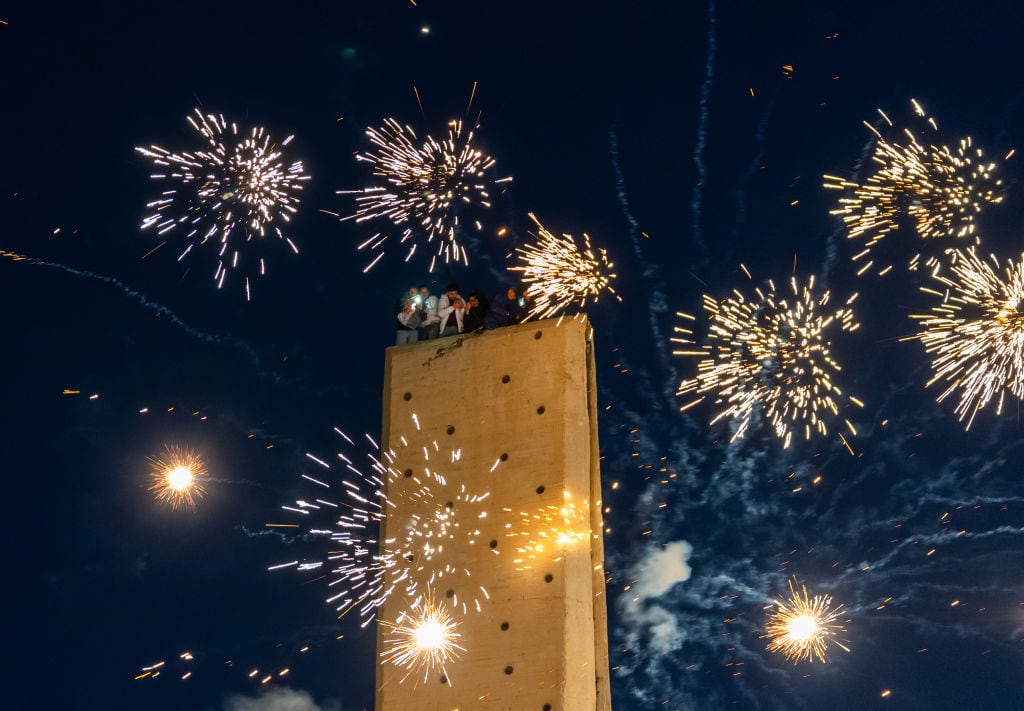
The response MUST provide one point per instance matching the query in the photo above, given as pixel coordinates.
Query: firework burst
(422, 639)
(176, 476)
(770, 352)
(801, 627)
(939, 189)
(976, 331)
(237, 189)
(424, 188)
(557, 272)
(383, 543)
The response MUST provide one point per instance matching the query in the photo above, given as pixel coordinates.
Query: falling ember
(422, 639)
(235, 191)
(423, 188)
(557, 272)
(769, 353)
(938, 188)
(801, 627)
(975, 331)
(177, 476)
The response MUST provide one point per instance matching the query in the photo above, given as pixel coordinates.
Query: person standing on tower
(450, 311)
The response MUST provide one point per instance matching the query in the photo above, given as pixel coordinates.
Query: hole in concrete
(444, 680)
(505, 378)
(540, 410)
(494, 544)
(449, 505)
(411, 558)
(504, 456)
(449, 593)
(451, 429)
(508, 669)
(504, 626)
(548, 578)
(540, 489)
(537, 335)
(547, 707)
(408, 473)
(407, 396)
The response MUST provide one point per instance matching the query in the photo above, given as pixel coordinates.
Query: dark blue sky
(677, 120)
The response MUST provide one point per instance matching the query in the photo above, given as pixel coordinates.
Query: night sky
(685, 138)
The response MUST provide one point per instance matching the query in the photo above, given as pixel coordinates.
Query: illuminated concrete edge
(527, 392)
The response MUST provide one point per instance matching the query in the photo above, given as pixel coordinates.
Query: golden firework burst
(422, 639)
(801, 627)
(177, 476)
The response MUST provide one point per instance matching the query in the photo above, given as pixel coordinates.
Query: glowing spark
(801, 627)
(549, 530)
(177, 476)
(975, 332)
(422, 639)
(940, 190)
(769, 353)
(557, 272)
(423, 187)
(232, 191)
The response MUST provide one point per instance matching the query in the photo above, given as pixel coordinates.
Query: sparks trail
(350, 497)
(143, 300)
(938, 189)
(975, 332)
(702, 128)
(234, 190)
(426, 190)
(557, 272)
(769, 353)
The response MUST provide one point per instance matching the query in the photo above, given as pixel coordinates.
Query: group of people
(421, 316)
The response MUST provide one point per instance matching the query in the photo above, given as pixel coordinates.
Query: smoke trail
(658, 304)
(702, 127)
(144, 301)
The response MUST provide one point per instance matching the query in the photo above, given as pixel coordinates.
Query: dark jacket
(503, 311)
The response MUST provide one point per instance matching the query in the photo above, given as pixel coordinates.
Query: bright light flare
(177, 476)
(544, 534)
(557, 272)
(801, 627)
(422, 640)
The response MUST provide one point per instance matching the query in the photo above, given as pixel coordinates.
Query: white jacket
(430, 306)
(445, 308)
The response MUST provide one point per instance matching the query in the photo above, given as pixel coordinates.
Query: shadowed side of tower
(509, 420)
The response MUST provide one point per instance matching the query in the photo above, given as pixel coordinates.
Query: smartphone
(522, 301)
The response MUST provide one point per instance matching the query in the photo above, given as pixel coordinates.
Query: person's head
(511, 293)
(452, 290)
(412, 290)
(473, 301)
(425, 292)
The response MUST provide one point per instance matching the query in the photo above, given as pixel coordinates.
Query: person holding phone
(450, 311)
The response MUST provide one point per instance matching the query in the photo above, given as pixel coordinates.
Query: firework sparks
(423, 187)
(801, 627)
(557, 272)
(976, 331)
(423, 514)
(234, 190)
(940, 190)
(547, 532)
(177, 476)
(422, 639)
(770, 352)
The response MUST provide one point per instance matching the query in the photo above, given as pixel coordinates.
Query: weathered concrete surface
(524, 397)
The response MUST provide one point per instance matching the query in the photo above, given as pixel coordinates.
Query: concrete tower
(522, 398)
